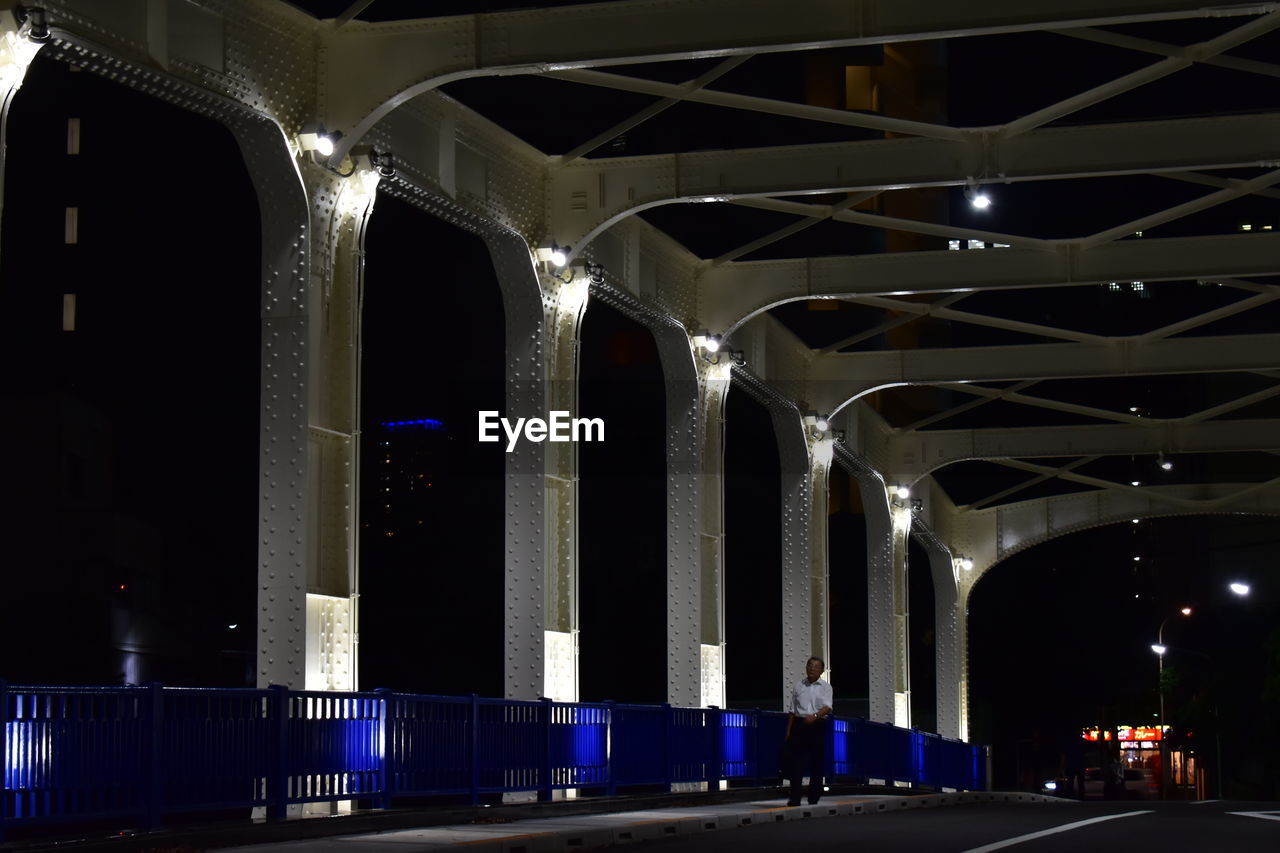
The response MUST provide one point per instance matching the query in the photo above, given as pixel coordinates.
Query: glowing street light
(1240, 589)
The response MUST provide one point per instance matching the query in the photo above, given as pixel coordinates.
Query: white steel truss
(270, 71)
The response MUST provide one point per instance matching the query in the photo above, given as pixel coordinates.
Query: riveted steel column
(714, 388)
(947, 627)
(800, 622)
(16, 52)
(566, 301)
(340, 207)
(820, 454)
(888, 526)
(284, 514)
(526, 312)
(684, 383)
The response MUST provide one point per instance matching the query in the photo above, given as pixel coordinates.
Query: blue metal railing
(141, 753)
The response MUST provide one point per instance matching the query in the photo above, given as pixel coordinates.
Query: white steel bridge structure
(284, 82)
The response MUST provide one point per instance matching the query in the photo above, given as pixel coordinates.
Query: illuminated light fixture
(1240, 589)
(1164, 463)
(233, 626)
(817, 424)
(1051, 786)
(1186, 611)
(1133, 408)
(555, 255)
(707, 341)
(966, 563)
(1159, 649)
(319, 141)
(903, 493)
(1135, 520)
(978, 198)
(1135, 482)
(1136, 559)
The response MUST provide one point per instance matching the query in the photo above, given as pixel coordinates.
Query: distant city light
(420, 423)
(1135, 521)
(1135, 482)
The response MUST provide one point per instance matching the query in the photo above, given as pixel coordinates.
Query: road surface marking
(1203, 802)
(1066, 827)
(1263, 815)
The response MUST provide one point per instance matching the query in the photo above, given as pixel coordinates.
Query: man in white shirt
(807, 730)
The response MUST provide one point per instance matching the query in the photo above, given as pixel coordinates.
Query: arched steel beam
(734, 293)
(836, 379)
(590, 196)
(913, 455)
(414, 57)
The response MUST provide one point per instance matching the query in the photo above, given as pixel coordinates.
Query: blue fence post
(155, 782)
(545, 788)
(668, 723)
(715, 758)
(755, 748)
(278, 792)
(386, 775)
(475, 749)
(611, 782)
(4, 755)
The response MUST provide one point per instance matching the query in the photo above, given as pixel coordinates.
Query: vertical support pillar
(714, 389)
(888, 525)
(797, 615)
(313, 224)
(340, 209)
(948, 628)
(565, 303)
(806, 463)
(685, 377)
(543, 316)
(962, 663)
(526, 573)
(284, 519)
(17, 49)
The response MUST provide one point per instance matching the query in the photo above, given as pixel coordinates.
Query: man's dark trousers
(808, 754)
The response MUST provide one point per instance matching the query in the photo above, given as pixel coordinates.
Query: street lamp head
(1159, 649)
(1240, 589)
(1186, 611)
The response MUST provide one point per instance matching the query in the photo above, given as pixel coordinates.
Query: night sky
(136, 446)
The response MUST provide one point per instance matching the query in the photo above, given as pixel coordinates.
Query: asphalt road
(1210, 827)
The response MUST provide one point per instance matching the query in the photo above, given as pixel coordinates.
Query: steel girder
(732, 293)
(911, 455)
(417, 56)
(836, 379)
(587, 197)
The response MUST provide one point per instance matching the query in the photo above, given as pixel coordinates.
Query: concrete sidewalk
(582, 832)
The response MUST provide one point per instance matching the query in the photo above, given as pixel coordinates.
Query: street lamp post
(1160, 648)
(1241, 590)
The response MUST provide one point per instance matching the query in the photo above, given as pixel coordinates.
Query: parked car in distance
(1139, 784)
